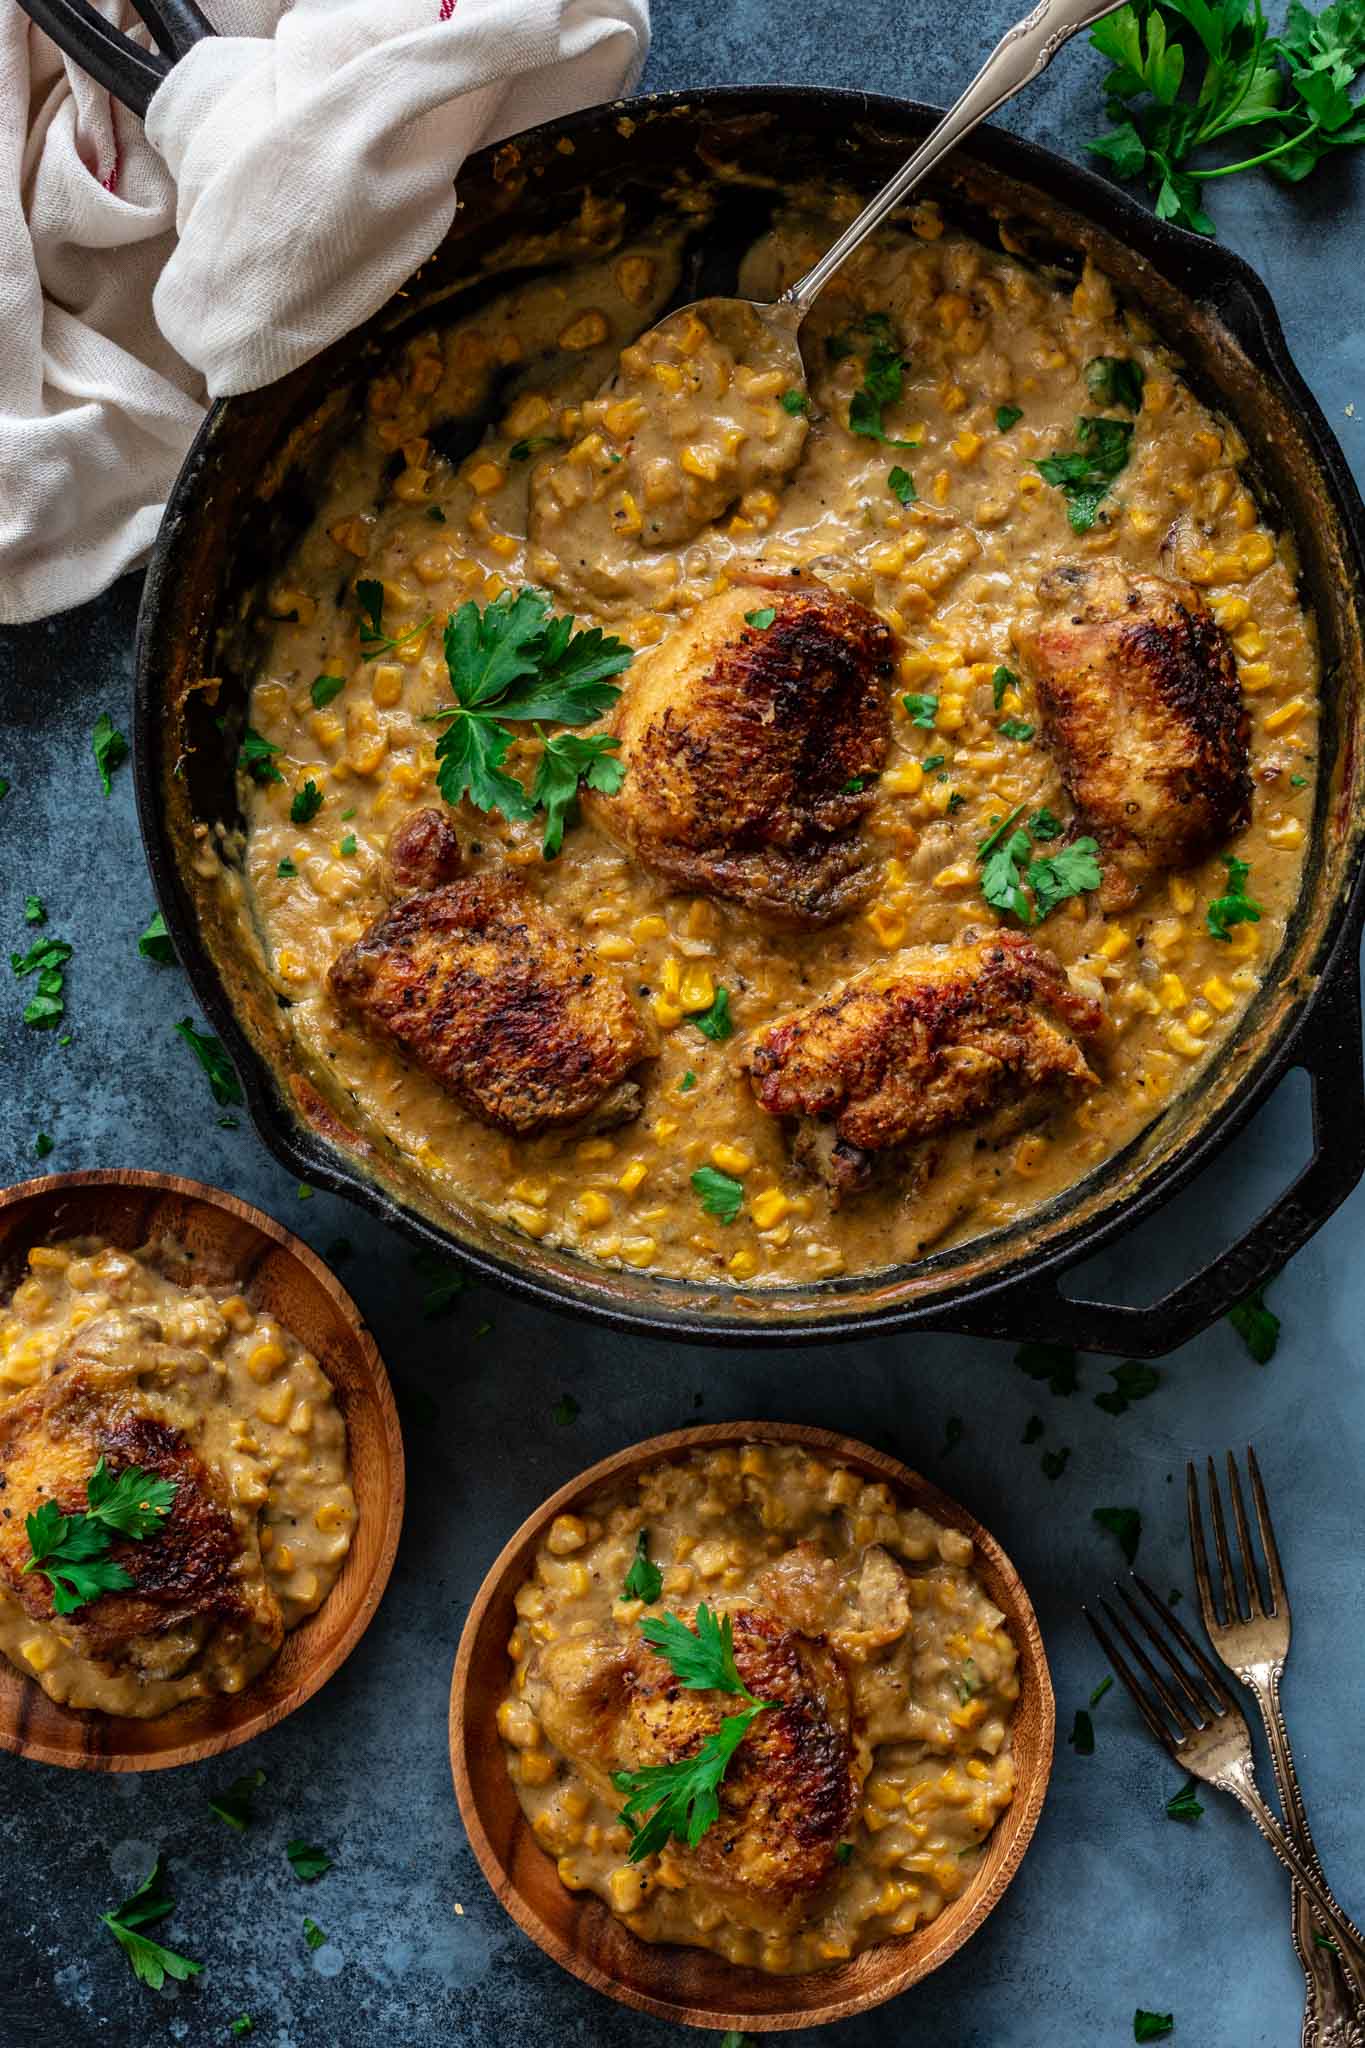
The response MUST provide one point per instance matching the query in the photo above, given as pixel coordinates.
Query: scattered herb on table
(1152, 2026)
(1007, 416)
(516, 660)
(72, 1551)
(42, 1144)
(954, 1429)
(309, 1863)
(922, 709)
(1055, 1363)
(1234, 907)
(313, 1934)
(761, 619)
(110, 749)
(644, 1580)
(374, 641)
(1003, 679)
(883, 378)
(565, 1411)
(901, 485)
(35, 911)
(1189, 73)
(1055, 1462)
(715, 1022)
(234, 1805)
(243, 2024)
(324, 688)
(1085, 476)
(445, 1282)
(1256, 1325)
(1184, 1804)
(4, 785)
(1104, 1686)
(151, 1963)
(1082, 1736)
(720, 1194)
(155, 942)
(1125, 1524)
(1133, 1381)
(1115, 380)
(1033, 1429)
(306, 803)
(208, 1050)
(47, 959)
(1323, 1940)
(680, 1799)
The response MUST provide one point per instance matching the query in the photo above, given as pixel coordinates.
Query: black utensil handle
(1329, 1048)
(112, 59)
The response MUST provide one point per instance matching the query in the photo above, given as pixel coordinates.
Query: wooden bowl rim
(1024, 1810)
(379, 1390)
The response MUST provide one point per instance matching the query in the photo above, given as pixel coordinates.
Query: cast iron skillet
(245, 493)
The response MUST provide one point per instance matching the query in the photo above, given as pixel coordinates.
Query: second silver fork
(1254, 1644)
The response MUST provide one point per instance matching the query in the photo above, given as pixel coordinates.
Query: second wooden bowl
(692, 1986)
(230, 1244)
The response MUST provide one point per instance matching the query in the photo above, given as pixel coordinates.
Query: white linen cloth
(293, 171)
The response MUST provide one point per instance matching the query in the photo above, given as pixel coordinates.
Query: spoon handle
(1022, 53)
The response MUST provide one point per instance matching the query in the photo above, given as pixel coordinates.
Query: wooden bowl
(692, 1986)
(231, 1243)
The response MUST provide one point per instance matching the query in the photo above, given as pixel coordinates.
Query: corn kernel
(887, 924)
(1115, 943)
(905, 779)
(593, 1207)
(1029, 1156)
(666, 1012)
(531, 1221)
(1256, 552)
(742, 1264)
(486, 477)
(615, 947)
(1216, 992)
(730, 1159)
(768, 1208)
(1289, 832)
(696, 990)
(1254, 675)
(698, 462)
(536, 1192)
(265, 1360)
(1197, 1022)
(1171, 990)
(536, 1767)
(1286, 714)
(634, 277)
(632, 1177)
(567, 1533)
(39, 1652)
(639, 1251)
(648, 928)
(887, 559)
(1180, 1039)
(387, 685)
(966, 447)
(1182, 894)
(527, 416)
(1231, 612)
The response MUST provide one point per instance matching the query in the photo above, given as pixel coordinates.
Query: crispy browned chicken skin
(190, 1572)
(424, 852)
(786, 1798)
(934, 1036)
(740, 743)
(490, 995)
(1142, 709)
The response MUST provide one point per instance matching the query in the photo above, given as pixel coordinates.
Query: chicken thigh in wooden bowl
(200, 1467)
(751, 1726)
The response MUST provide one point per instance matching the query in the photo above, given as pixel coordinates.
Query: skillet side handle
(1329, 1049)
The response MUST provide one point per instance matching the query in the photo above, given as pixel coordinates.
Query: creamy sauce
(932, 1677)
(952, 573)
(251, 1401)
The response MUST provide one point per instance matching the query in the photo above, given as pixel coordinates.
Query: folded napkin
(293, 171)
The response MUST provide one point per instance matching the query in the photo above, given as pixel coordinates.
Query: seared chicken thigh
(1142, 709)
(748, 737)
(188, 1577)
(492, 997)
(785, 1800)
(936, 1036)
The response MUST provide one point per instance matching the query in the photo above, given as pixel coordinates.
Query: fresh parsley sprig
(72, 1551)
(681, 1799)
(1085, 477)
(374, 641)
(644, 1581)
(1010, 869)
(720, 1194)
(1235, 907)
(1187, 74)
(514, 660)
(883, 380)
(151, 1963)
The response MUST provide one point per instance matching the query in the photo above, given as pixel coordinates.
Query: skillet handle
(1328, 1047)
(112, 59)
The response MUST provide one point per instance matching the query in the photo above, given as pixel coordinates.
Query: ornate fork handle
(1236, 1778)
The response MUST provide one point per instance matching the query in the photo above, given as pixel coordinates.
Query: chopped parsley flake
(794, 401)
(1115, 380)
(565, 1411)
(1152, 2026)
(306, 804)
(1086, 477)
(687, 1083)
(1133, 1381)
(47, 959)
(155, 942)
(720, 1194)
(644, 1580)
(308, 1863)
(234, 1805)
(1015, 729)
(35, 911)
(715, 1022)
(256, 756)
(1007, 416)
(1256, 1325)
(208, 1050)
(110, 749)
(1003, 679)
(1184, 1805)
(1125, 1524)
(1082, 1736)
(313, 1934)
(922, 709)
(762, 618)
(901, 485)
(347, 844)
(1055, 1363)
(1236, 907)
(324, 688)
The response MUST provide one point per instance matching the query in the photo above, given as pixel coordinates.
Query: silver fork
(1208, 1737)
(1254, 1645)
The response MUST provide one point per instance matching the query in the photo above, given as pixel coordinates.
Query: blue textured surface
(1115, 1907)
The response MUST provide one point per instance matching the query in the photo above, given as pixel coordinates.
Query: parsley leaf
(1072, 872)
(883, 376)
(1184, 1805)
(1082, 1736)
(923, 709)
(1115, 380)
(522, 451)
(1033, 1429)
(1055, 1363)
(762, 618)
(565, 1411)
(72, 1551)
(134, 1504)
(715, 1022)
(719, 1193)
(843, 1851)
(151, 1963)
(309, 1863)
(374, 641)
(1008, 869)
(346, 844)
(234, 1805)
(1054, 1462)
(1152, 2026)
(1257, 1326)
(1001, 883)
(702, 1657)
(286, 870)
(1007, 416)
(47, 959)
(568, 759)
(901, 485)
(687, 1083)
(1133, 1381)
(1003, 679)
(208, 1050)
(794, 401)
(155, 942)
(1085, 477)
(313, 1934)
(1125, 1523)
(1105, 1685)
(110, 749)
(1043, 825)
(43, 1144)
(445, 1282)
(644, 1581)
(256, 756)
(324, 688)
(1015, 729)
(306, 803)
(243, 2024)
(1236, 907)
(35, 911)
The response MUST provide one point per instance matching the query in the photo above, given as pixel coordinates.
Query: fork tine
(1220, 1544)
(1187, 1643)
(1154, 1677)
(1202, 1709)
(1239, 1516)
(1198, 1553)
(1139, 1698)
(1279, 1593)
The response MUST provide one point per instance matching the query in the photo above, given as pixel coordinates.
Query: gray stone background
(1115, 1906)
